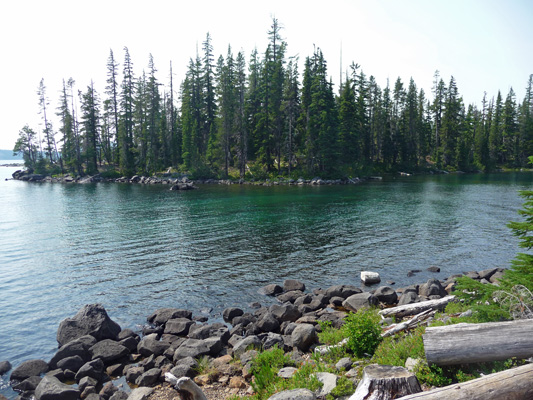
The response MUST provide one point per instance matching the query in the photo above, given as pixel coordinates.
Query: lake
(137, 248)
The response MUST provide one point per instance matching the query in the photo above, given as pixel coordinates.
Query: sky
(486, 45)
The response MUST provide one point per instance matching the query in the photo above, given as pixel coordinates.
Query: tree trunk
(472, 343)
(513, 384)
(416, 308)
(385, 382)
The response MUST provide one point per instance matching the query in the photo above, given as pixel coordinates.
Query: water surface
(137, 248)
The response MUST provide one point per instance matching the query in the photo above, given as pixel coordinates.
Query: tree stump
(385, 382)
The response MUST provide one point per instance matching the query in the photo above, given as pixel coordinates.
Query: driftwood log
(416, 308)
(512, 384)
(385, 382)
(472, 343)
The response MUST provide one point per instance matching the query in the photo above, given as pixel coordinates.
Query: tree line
(261, 119)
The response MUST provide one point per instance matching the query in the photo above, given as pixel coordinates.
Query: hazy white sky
(487, 45)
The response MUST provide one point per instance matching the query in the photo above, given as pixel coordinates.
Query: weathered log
(416, 308)
(384, 382)
(472, 343)
(413, 322)
(512, 384)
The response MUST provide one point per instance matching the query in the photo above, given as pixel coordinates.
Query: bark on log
(385, 382)
(186, 387)
(472, 343)
(513, 384)
(416, 308)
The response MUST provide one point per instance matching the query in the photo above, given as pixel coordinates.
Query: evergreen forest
(265, 117)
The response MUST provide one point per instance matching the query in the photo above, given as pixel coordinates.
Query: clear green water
(138, 248)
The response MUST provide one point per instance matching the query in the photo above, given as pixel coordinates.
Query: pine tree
(90, 128)
(495, 133)
(526, 124)
(69, 148)
(241, 132)
(348, 139)
(111, 109)
(125, 138)
(26, 145)
(50, 149)
(291, 111)
(510, 132)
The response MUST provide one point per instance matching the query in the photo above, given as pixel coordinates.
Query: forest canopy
(263, 117)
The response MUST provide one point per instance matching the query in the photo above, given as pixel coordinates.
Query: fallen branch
(185, 387)
(416, 308)
(410, 324)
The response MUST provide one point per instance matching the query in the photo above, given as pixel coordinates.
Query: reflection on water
(137, 248)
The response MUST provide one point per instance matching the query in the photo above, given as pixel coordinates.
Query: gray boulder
(432, 287)
(133, 373)
(150, 345)
(108, 350)
(304, 336)
(178, 326)
(191, 348)
(51, 388)
(268, 323)
(85, 382)
(4, 367)
(93, 369)
(271, 290)
(284, 313)
(185, 367)
(29, 368)
(290, 296)
(386, 295)
(73, 363)
(92, 320)
(246, 344)
(148, 378)
(78, 347)
(271, 340)
(329, 382)
(231, 312)
(408, 298)
(207, 331)
(360, 300)
(295, 394)
(293, 284)
(27, 385)
(343, 291)
(120, 395)
(141, 393)
(161, 316)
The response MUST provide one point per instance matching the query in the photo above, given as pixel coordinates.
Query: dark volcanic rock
(284, 313)
(161, 316)
(304, 336)
(386, 295)
(191, 348)
(108, 350)
(29, 368)
(360, 300)
(51, 388)
(73, 363)
(92, 320)
(149, 377)
(343, 291)
(178, 326)
(150, 345)
(293, 284)
(93, 369)
(231, 312)
(4, 367)
(271, 290)
(78, 347)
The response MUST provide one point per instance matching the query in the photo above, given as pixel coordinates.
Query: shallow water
(137, 248)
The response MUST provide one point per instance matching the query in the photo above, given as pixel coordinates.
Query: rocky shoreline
(181, 183)
(94, 351)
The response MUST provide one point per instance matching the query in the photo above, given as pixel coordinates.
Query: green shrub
(363, 331)
(395, 350)
(344, 387)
